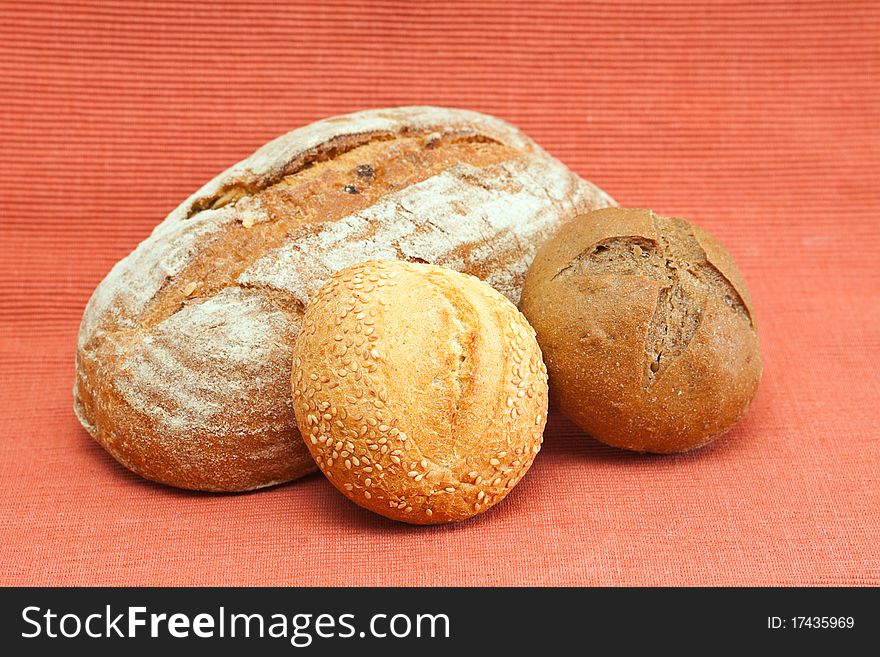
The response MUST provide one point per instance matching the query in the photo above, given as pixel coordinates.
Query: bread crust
(184, 351)
(647, 330)
(420, 391)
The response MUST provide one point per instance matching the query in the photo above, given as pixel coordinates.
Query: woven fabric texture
(760, 121)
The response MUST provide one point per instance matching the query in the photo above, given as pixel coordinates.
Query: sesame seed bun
(420, 391)
(646, 326)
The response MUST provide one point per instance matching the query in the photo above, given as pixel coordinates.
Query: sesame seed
(348, 487)
(367, 494)
(494, 462)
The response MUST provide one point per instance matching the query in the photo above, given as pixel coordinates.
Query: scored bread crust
(184, 351)
(632, 362)
(420, 391)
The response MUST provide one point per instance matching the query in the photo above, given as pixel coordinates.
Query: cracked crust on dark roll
(646, 327)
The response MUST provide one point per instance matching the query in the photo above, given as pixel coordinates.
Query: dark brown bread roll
(646, 327)
(184, 355)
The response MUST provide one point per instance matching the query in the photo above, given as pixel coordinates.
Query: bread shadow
(116, 470)
(345, 512)
(361, 520)
(563, 438)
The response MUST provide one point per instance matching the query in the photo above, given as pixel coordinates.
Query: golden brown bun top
(420, 391)
(647, 329)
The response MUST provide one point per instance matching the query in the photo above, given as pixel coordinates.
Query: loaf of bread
(420, 391)
(646, 327)
(184, 353)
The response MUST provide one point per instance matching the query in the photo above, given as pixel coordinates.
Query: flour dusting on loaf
(460, 219)
(229, 341)
(184, 350)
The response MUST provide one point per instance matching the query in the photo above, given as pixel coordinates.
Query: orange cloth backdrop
(760, 121)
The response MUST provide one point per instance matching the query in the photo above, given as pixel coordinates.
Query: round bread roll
(646, 326)
(420, 391)
(184, 353)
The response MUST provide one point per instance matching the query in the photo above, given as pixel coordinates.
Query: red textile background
(761, 121)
